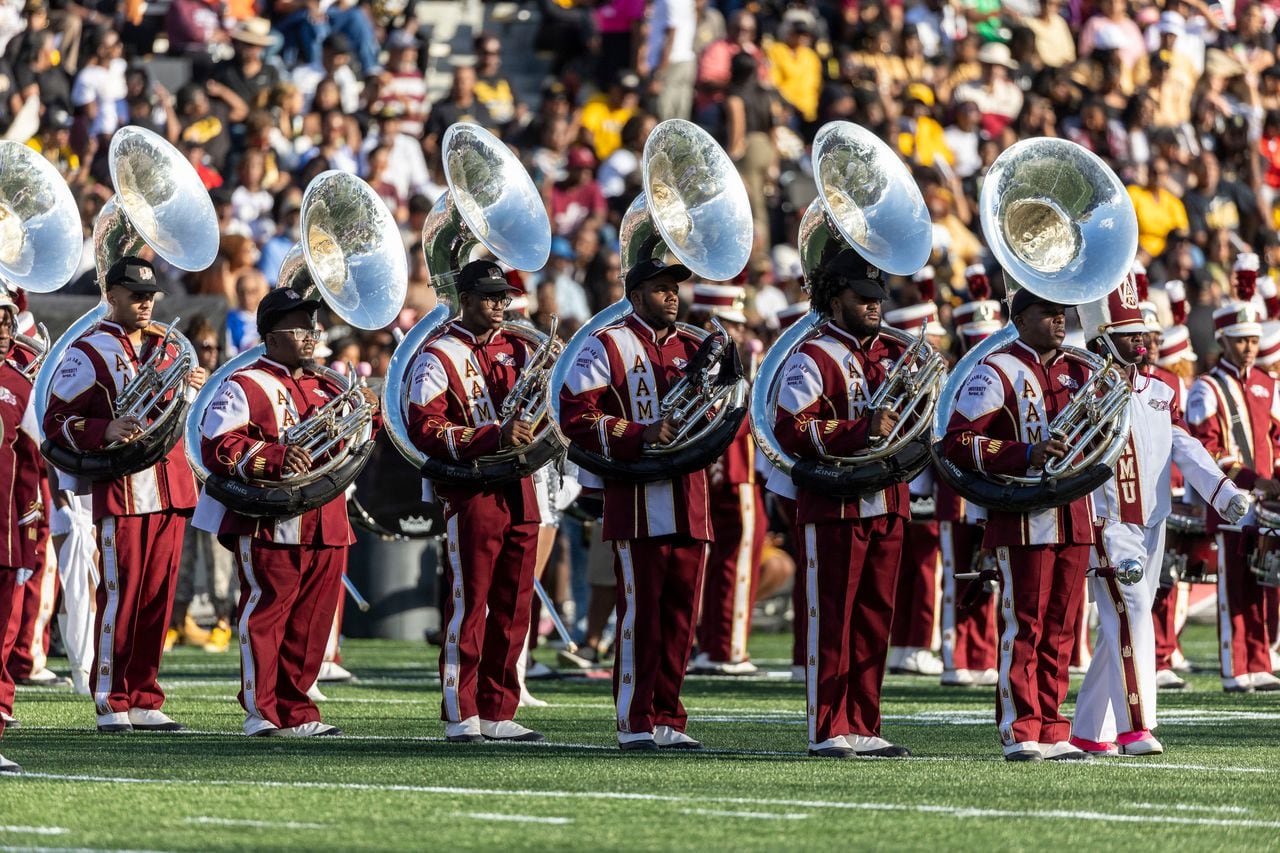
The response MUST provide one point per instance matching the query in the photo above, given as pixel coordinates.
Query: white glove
(24, 575)
(62, 520)
(1237, 508)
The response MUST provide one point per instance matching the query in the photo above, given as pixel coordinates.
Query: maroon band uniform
(1005, 406)
(733, 566)
(140, 518)
(458, 386)
(850, 549)
(1246, 452)
(20, 509)
(968, 632)
(660, 530)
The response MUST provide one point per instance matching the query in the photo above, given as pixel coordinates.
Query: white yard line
(516, 818)
(35, 830)
(748, 815)
(255, 824)
(1187, 807)
(923, 808)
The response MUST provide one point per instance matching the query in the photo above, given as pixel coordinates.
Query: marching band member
(142, 517)
(851, 548)
(968, 613)
(1233, 409)
(784, 492)
(660, 530)
(290, 568)
(999, 426)
(20, 507)
(737, 516)
(1116, 706)
(459, 382)
(915, 608)
(1170, 359)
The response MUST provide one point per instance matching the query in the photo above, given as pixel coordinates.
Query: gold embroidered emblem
(813, 661)
(1127, 651)
(244, 639)
(626, 635)
(1133, 698)
(626, 679)
(106, 629)
(450, 681)
(813, 611)
(248, 687)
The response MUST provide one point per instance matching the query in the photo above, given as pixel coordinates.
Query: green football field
(392, 783)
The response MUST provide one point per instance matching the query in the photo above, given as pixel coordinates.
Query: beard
(863, 328)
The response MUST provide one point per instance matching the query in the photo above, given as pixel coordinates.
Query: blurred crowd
(1180, 97)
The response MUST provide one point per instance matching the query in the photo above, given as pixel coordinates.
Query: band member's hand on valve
(660, 432)
(370, 397)
(296, 460)
(124, 430)
(197, 377)
(516, 433)
(882, 423)
(1043, 451)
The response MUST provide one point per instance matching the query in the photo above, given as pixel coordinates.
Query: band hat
(280, 302)
(857, 274)
(914, 317)
(483, 277)
(1151, 316)
(973, 333)
(652, 268)
(1175, 346)
(1269, 344)
(135, 274)
(1117, 313)
(1238, 320)
(255, 31)
(980, 311)
(1024, 299)
(786, 263)
(792, 313)
(725, 301)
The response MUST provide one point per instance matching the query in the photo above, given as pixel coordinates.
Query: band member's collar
(274, 366)
(849, 338)
(1020, 348)
(643, 328)
(1229, 368)
(456, 328)
(113, 327)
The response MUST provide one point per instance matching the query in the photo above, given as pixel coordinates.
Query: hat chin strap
(1111, 348)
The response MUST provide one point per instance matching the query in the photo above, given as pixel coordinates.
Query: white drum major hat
(1118, 313)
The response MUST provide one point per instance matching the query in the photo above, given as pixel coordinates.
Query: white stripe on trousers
(743, 570)
(1226, 638)
(946, 544)
(811, 634)
(626, 635)
(106, 650)
(451, 664)
(45, 611)
(248, 673)
(1008, 639)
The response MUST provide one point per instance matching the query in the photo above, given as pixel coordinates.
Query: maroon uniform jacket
(240, 438)
(1249, 452)
(20, 467)
(1005, 407)
(611, 394)
(456, 391)
(822, 410)
(82, 403)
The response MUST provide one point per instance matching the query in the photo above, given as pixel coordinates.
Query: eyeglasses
(300, 335)
(207, 346)
(496, 301)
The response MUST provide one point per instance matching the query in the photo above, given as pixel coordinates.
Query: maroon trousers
(31, 622)
(968, 633)
(1164, 616)
(8, 594)
(489, 572)
(288, 595)
(1243, 639)
(851, 574)
(733, 571)
(1041, 588)
(138, 557)
(915, 602)
(658, 594)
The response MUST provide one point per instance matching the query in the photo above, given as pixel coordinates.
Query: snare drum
(1190, 555)
(1265, 560)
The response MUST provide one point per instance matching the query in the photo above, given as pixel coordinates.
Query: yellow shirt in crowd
(797, 75)
(605, 125)
(1158, 213)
